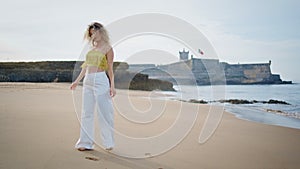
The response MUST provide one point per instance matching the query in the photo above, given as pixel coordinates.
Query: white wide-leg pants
(96, 95)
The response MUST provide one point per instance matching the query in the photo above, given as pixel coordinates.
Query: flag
(200, 51)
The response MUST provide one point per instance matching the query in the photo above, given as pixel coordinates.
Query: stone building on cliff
(189, 71)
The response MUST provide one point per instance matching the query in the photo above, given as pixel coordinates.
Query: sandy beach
(39, 128)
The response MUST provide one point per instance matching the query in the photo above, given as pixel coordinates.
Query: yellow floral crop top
(95, 58)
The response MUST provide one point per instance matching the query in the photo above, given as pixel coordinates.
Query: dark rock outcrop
(241, 101)
(138, 81)
(271, 101)
(198, 101)
(236, 101)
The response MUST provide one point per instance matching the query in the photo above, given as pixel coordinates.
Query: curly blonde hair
(97, 26)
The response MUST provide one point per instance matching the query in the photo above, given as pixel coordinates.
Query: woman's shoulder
(108, 49)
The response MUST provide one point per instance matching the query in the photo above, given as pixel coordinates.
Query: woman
(98, 89)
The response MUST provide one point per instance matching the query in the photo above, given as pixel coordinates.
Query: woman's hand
(73, 86)
(112, 91)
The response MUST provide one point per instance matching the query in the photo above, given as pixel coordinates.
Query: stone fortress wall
(209, 72)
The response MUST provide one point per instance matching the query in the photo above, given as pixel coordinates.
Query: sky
(241, 31)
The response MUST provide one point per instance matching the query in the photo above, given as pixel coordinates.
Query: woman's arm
(80, 76)
(110, 62)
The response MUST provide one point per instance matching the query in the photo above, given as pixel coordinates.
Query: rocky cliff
(36, 71)
(66, 71)
(251, 74)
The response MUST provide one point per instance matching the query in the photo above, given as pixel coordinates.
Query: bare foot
(109, 149)
(84, 149)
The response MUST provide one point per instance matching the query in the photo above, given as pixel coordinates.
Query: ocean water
(274, 114)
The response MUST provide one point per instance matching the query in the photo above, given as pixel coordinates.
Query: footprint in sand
(92, 158)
